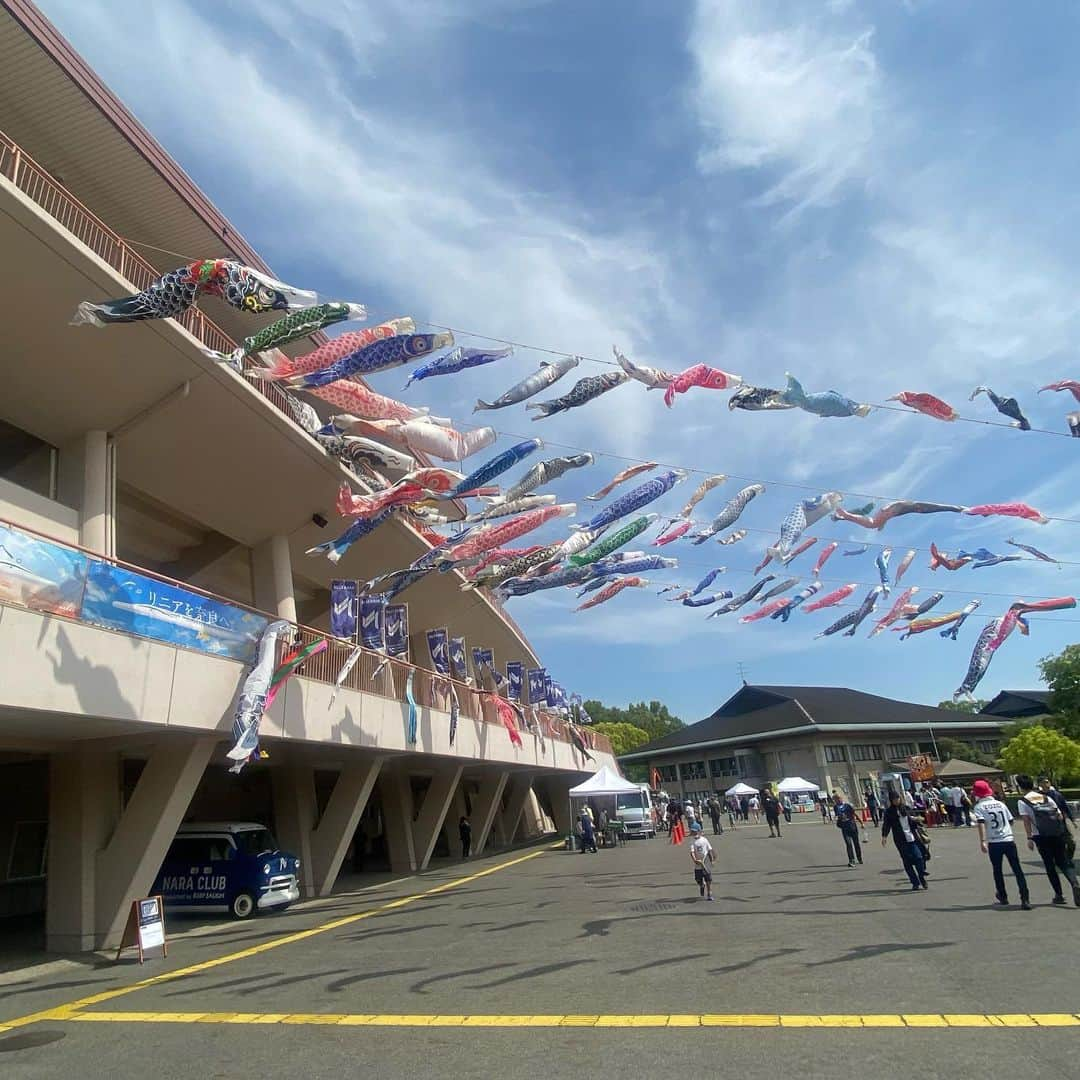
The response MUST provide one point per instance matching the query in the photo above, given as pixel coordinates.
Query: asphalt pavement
(547, 962)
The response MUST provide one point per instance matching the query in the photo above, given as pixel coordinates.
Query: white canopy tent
(605, 781)
(741, 789)
(795, 784)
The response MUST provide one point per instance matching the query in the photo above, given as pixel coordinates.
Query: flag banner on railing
(478, 662)
(373, 623)
(515, 676)
(397, 629)
(550, 698)
(343, 606)
(454, 709)
(343, 674)
(411, 735)
(536, 685)
(459, 661)
(43, 576)
(438, 643)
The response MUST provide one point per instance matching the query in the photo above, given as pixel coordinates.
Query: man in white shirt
(994, 820)
(701, 855)
(956, 806)
(1046, 829)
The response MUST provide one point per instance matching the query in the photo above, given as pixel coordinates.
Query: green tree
(1061, 674)
(1040, 750)
(624, 737)
(653, 717)
(964, 707)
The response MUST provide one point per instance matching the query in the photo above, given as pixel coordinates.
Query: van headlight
(266, 868)
(297, 864)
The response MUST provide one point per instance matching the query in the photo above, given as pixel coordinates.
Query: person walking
(464, 829)
(966, 805)
(674, 813)
(871, 801)
(755, 809)
(898, 823)
(785, 805)
(701, 856)
(849, 828)
(714, 815)
(1046, 831)
(994, 821)
(690, 813)
(771, 805)
(823, 806)
(956, 801)
(733, 811)
(588, 832)
(744, 808)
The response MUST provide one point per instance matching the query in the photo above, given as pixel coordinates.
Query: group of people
(743, 809)
(1045, 815)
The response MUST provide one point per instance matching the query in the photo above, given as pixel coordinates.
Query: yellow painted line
(63, 1012)
(677, 1020)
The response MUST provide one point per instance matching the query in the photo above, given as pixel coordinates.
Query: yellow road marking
(66, 1012)
(680, 1020)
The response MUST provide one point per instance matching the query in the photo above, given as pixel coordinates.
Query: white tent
(741, 789)
(605, 781)
(793, 784)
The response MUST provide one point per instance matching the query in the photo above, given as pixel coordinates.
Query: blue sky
(874, 197)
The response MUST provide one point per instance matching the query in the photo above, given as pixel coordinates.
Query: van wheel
(242, 906)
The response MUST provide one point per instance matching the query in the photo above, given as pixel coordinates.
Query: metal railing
(60, 204)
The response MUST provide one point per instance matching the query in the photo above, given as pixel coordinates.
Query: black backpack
(1048, 819)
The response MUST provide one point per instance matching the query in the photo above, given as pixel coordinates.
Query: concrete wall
(24, 507)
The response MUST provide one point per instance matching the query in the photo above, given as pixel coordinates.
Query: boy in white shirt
(701, 854)
(994, 820)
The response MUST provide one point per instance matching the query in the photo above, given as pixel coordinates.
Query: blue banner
(515, 676)
(439, 647)
(343, 608)
(120, 599)
(478, 661)
(549, 692)
(397, 629)
(39, 575)
(537, 693)
(372, 625)
(459, 662)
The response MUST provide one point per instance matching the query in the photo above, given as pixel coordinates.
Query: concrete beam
(330, 840)
(458, 809)
(293, 788)
(196, 559)
(429, 822)
(487, 805)
(395, 792)
(519, 789)
(126, 868)
(271, 569)
(557, 789)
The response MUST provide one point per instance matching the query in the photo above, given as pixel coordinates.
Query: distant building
(835, 736)
(1018, 705)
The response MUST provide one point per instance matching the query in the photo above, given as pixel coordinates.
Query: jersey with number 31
(997, 818)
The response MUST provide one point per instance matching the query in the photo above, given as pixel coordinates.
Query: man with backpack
(1045, 826)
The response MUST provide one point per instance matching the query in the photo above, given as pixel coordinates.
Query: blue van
(227, 866)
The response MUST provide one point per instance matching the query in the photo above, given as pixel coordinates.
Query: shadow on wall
(95, 686)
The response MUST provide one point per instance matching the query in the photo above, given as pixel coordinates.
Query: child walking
(701, 854)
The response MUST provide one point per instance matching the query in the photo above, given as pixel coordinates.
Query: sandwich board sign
(145, 927)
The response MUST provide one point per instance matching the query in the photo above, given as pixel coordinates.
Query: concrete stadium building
(128, 452)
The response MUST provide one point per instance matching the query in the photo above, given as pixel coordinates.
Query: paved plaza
(542, 962)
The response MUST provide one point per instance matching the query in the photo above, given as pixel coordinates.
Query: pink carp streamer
(670, 537)
(1024, 607)
(900, 608)
(613, 589)
(337, 349)
(621, 478)
(823, 558)
(927, 404)
(905, 562)
(494, 536)
(356, 398)
(415, 487)
(770, 608)
(831, 599)
(508, 717)
(1064, 384)
(806, 545)
(894, 510)
(708, 378)
(1013, 509)
(502, 555)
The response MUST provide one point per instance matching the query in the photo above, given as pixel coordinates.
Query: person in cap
(701, 856)
(994, 821)
(1047, 831)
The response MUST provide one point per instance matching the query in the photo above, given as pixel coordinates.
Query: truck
(634, 810)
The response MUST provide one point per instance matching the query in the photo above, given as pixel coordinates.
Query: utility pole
(741, 669)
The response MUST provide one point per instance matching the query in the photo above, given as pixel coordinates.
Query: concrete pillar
(486, 805)
(558, 789)
(95, 518)
(433, 810)
(336, 827)
(271, 565)
(293, 787)
(84, 804)
(99, 859)
(534, 822)
(518, 790)
(397, 804)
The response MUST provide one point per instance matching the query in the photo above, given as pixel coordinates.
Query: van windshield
(255, 841)
(629, 802)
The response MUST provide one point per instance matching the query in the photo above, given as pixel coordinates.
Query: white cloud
(794, 96)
